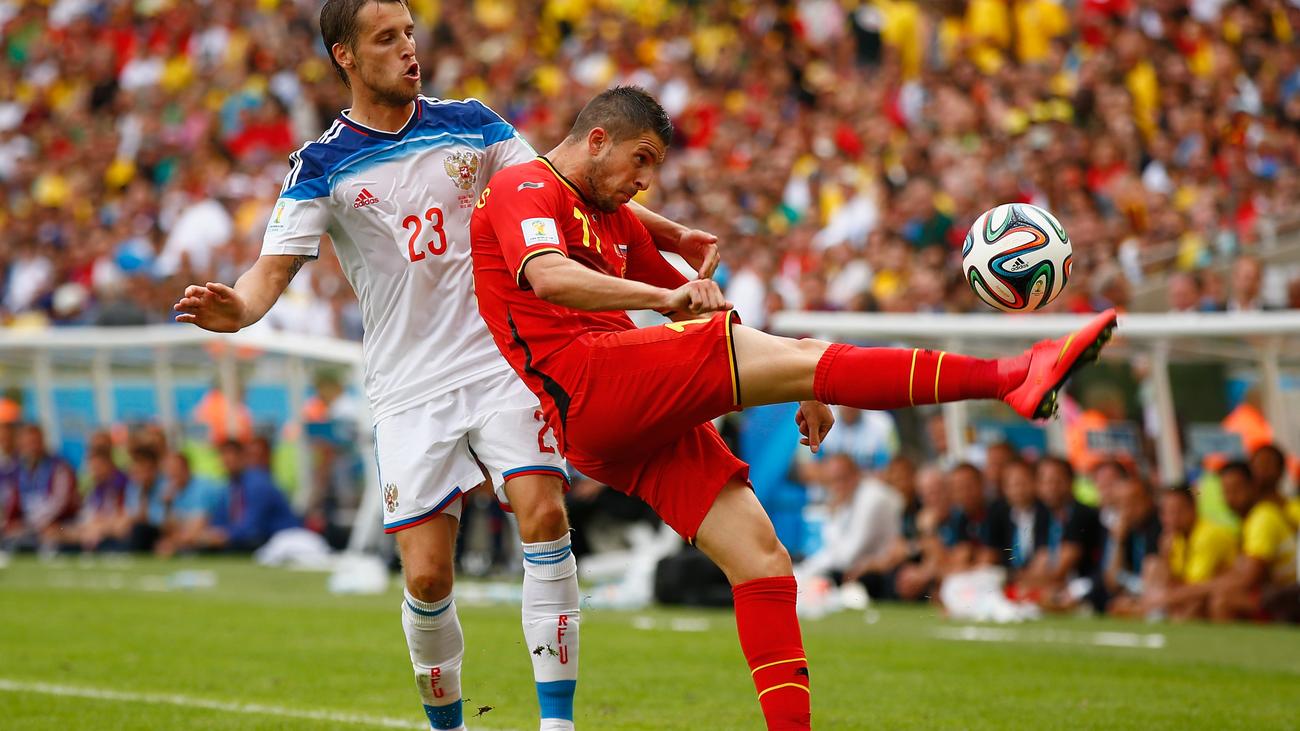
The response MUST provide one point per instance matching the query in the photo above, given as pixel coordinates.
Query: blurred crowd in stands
(152, 503)
(1104, 540)
(219, 482)
(840, 148)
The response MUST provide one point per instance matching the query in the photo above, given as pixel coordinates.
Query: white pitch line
(172, 699)
(676, 624)
(968, 633)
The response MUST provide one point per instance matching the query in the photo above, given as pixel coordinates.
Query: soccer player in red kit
(558, 258)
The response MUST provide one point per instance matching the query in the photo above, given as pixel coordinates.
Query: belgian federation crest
(390, 497)
(462, 168)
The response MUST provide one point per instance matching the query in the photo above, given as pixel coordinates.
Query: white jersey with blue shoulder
(397, 207)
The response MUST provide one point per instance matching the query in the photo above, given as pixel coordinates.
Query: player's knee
(778, 560)
(767, 558)
(811, 346)
(431, 582)
(543, 520)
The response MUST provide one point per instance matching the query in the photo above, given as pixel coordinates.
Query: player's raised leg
(738, 536)
(551, 614)
(433, 633)
(774, 369)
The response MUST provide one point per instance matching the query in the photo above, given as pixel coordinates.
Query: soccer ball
(1016, 257)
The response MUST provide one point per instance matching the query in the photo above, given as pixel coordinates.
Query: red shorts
(639, 417)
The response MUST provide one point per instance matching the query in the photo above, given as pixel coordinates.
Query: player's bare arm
(698, 248)
(562, 281)
(220, 308)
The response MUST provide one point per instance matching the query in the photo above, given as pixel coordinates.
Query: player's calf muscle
(738, 536)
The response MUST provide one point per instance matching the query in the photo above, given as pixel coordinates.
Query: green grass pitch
(116, 646)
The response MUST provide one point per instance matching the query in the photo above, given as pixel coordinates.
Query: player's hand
(815, 420)
(700, 250)
(212, 306)
(697, 298)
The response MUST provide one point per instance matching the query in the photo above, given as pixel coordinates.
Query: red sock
(892, 378)
(769, 637)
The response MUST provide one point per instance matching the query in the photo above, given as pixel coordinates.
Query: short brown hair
(624, 112)
(338, 24)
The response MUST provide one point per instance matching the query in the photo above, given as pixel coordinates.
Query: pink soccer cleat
(1052, 362)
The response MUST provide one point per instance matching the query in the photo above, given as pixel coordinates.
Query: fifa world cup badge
(390, 497)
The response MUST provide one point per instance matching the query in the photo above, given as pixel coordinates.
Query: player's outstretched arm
(698, 248)
(562, 281)
(217, 307)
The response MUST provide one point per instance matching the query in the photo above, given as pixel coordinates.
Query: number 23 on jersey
(436, 244)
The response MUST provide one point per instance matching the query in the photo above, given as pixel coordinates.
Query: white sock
(551, 621)
(437, 647)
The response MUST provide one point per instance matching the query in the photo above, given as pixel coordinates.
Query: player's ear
(597, 139)
(343, 55)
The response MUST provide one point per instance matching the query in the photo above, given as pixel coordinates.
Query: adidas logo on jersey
(364, 198)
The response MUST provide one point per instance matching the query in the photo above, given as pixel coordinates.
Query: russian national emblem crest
(390, 497)
(462, 168)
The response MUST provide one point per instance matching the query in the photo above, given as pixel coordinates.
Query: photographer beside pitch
(558, 257)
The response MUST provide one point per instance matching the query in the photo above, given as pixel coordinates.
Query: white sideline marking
(171, 699)
(676, 624)
(971, 633)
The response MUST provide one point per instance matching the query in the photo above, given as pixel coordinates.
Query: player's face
(620, 170)
(384, 58)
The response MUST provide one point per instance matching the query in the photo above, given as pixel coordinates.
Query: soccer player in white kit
(393, 182)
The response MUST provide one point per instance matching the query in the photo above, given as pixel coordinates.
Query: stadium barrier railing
(168, 355)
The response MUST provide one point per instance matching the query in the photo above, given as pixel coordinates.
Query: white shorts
(429, 455)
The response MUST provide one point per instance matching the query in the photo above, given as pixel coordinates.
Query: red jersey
(531, 210)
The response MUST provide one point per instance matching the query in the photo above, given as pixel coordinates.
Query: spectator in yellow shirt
(1267, 548)
(1193, 551)
(1268, 464)
(1038, 23)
